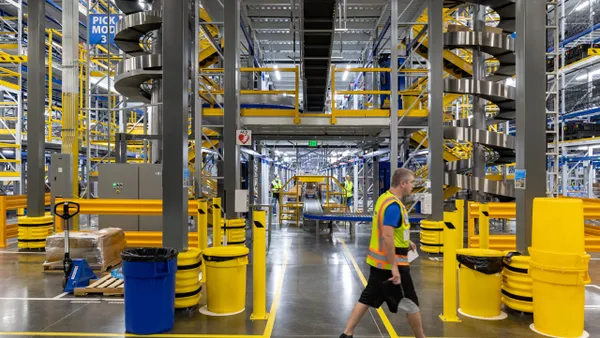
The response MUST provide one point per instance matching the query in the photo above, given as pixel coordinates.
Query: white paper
(412, 255)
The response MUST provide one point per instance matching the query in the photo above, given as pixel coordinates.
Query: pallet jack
(77, 271)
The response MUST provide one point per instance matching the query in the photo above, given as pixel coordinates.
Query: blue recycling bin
(149, 275)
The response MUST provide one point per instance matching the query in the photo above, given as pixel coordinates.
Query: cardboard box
(458, 28)
(491, 29)
(100, 248)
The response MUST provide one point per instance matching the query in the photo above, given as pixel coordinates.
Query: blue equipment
(77, 272)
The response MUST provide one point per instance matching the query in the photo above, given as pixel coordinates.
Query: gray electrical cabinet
(130, 181)
(59, 176)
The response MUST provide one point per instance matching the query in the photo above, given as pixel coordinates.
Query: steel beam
(176, 52)
(435, 159)
(394, 89)
(478, 103)
(231, 113)
(531, 111)
(36, 72)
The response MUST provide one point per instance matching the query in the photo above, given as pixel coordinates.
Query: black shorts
(380, 290)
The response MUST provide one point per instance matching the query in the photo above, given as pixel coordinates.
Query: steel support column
(231, 113)
(479, 73)
(531, 110)
(36, 72)
(435, 131)
(375, 179)
(175, 52)
(394, 89)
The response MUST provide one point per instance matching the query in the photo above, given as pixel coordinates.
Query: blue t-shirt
(392, 215)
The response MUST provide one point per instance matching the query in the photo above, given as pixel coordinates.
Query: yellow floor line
(276, 299)
(382, 315)
(267, 333)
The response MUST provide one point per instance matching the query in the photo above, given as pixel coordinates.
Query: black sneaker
(345, 336)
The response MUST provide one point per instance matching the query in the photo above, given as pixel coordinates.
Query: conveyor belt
(336, 216)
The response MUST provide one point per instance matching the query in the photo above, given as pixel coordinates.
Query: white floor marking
(61, 295)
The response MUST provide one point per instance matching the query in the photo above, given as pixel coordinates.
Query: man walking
(389, 276)
(276, 186)
(349, 188)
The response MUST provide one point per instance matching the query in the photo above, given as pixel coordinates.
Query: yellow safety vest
(377, 257)
(349, 188)
(276, 186)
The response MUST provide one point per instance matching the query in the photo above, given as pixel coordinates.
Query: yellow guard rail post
(216, 223)
(259, 265)
(450, 244)
(484, 226)
(202, 231)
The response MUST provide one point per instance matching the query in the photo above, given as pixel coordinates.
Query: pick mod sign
(244, 137)
(100, 30)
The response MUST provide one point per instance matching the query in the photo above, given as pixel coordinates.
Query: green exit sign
(312, 143)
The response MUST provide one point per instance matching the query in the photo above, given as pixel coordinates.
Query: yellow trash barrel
(432, 237)
(187, 282)
(558, 267)
(226, 279)
(517, 286)
(480, 283)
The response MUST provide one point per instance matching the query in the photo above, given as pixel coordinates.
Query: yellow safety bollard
(484, 226)
(449, 309)
(558, 267)
(216, 222)
(203, 231)
(259, 265)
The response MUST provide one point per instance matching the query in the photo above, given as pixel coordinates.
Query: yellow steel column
(259, 266)
(202, 224)
(484, 226)
(216, 223)
(3, 221)
(449, 299)
(333, 120)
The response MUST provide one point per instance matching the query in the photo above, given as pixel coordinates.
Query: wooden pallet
(107, 286)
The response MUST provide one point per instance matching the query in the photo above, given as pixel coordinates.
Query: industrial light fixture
(583, 5)
(277, 73)
(345, 76)
(585, 76)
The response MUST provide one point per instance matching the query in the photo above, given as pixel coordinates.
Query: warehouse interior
(213, 168)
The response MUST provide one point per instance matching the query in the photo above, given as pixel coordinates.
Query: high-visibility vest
(276, 186)
(377, 257)
(349, 188)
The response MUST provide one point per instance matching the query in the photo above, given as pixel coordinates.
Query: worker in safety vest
(389, 279)
(276, 186)
(349, 187)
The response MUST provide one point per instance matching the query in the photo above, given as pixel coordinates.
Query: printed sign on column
(243, 137)
(99, 29)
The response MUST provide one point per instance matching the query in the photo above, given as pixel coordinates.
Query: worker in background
(276, 186)
(389, 277)
(349, 187)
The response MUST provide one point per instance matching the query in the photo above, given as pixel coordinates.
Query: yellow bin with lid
(558, 267)
(480, 283)
(226, 279)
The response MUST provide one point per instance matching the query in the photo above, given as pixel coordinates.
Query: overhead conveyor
(317, 43)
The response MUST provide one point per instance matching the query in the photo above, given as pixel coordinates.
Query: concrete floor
(319, 288)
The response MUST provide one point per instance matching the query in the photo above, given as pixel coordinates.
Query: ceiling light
(277, 73)
(345, 76)
(583, 5)
(585, 76)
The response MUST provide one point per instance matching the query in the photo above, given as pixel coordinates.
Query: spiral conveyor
(499, 148)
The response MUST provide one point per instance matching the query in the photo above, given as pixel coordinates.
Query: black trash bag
(149, 254)
(486, 265)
